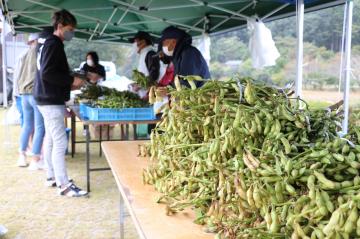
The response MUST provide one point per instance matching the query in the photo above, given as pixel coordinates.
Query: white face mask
(166, 51)
(90, 62)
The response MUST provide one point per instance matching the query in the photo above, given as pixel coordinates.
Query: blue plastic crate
(105, 114)
(83, 110)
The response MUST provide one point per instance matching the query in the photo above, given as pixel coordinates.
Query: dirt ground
(330, 96)
(30, 210)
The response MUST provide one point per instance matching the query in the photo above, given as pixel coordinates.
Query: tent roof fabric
(119, 20)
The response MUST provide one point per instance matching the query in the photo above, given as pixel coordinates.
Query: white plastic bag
(12, 116)
(262, 47)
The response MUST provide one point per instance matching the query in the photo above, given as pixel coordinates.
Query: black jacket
(188, 60)
(98, 69)
(53, 81)
(153, 66)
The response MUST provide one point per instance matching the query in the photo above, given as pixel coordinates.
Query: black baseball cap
(172, 33)
(142, 36)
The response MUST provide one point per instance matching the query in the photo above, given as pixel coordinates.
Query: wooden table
(148, 216)
(75, 113)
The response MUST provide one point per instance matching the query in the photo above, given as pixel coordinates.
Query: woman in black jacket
(92, 65)
(51, 91)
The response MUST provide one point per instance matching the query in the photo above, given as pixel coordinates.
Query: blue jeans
(33, 123)
(20, 109)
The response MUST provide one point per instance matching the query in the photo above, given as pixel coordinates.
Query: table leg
(122, 217)
(87, 157)
(100, 137)
(122, 135)
(135, 128)
(127, 132)
(73, 133)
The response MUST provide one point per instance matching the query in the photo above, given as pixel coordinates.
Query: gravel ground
(30, 210)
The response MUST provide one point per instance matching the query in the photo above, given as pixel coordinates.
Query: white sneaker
(72, 190)
(22, 161)
(29, 154)
(41, 164)
(3, 230)
(33, 166)
(50, 182)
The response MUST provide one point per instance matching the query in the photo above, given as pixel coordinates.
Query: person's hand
(134, 87)
(161, 91)
(93, 77)
(77, 84)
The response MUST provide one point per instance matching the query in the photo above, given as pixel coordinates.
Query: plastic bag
(158, 106)
(12, 116)
(262, 47)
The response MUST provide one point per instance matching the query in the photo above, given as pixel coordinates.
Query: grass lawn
(30, 210)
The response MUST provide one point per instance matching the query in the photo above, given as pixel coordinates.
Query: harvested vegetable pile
(91, 92)
(140, 79)
(123, 99)
(103, 97)
(253, 164)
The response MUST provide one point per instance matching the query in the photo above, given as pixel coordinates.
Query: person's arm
(153, 66)
(193, 63)
(84, 67)
(53, 66)
(102, 72)
(190, 63)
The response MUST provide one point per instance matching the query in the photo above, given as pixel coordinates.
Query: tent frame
(234, 15)
(348, 33)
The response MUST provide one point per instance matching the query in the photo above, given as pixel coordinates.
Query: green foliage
(224, 49)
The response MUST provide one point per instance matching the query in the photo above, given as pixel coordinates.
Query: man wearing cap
(187, 59)
(148, 64)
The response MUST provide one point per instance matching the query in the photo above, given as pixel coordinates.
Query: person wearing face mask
(165, 79)
(33, 120)
(51, 91)
(186, 58)
(92, 65)
(167, 75)
(148, 64)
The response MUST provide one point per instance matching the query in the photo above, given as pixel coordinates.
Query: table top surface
(148, 216)
(76, 110)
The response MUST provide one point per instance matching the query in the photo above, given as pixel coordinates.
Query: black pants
(152, 126)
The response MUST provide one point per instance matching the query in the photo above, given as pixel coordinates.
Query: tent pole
(203, 3)
(94, 32)
(110, 18)
(349, 19)
(230, 17)
(300, 48)
(4, 67)
(125, 12)
(77, 14)
(275, 11)
(341, 72)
